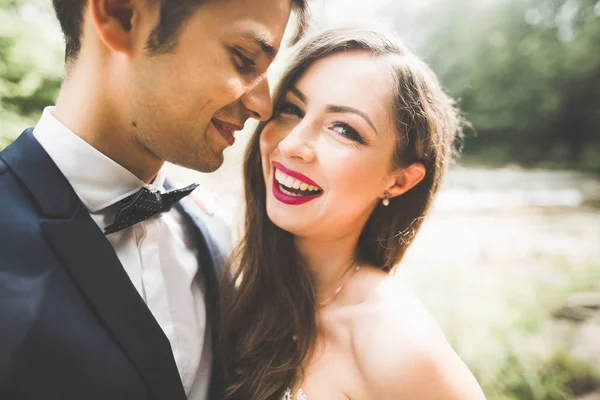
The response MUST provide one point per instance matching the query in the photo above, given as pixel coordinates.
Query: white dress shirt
(158, 254)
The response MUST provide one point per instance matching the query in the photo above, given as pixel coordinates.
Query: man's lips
(226, 130)
(295, 174)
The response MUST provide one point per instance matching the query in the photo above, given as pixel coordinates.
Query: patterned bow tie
(143, 205)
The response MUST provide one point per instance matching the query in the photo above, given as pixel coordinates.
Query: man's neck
(92, 113)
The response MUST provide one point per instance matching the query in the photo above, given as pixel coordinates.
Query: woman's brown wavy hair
(272, 300)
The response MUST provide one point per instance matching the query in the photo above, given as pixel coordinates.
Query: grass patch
(525, 378)
(507, 335)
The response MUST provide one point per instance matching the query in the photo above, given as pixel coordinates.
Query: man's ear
(406, 179)
(113, 20)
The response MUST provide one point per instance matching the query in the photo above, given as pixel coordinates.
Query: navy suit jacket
(72, 325)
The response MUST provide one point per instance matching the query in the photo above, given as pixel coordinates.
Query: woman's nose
(298, 144)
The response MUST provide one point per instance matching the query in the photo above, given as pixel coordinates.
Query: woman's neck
(328, 262)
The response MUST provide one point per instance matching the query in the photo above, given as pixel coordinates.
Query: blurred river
(512, 214)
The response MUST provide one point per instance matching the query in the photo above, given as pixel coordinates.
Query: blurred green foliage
(527, 73)
(31, 68)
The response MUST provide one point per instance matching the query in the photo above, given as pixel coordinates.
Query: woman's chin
(287, 222)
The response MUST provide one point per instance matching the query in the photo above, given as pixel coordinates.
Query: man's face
(184, 106)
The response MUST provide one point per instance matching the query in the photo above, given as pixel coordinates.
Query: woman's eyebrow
(337, 109)
(346, 109)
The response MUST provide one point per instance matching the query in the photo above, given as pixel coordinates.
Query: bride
(337, 184)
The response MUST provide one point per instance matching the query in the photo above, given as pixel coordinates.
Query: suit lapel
(93, 265)
(211, 257)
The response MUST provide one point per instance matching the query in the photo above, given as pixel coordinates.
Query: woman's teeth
(292, 183)
(289, 193)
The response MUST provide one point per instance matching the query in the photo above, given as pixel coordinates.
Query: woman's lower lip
(225, 133)
(291, 200)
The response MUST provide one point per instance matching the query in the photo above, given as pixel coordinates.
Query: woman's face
(327, 152)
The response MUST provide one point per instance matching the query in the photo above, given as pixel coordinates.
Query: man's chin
(209, 168)
(204, 167)
(200, 162)
(208, 164)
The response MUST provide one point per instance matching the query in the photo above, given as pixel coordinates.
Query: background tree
(31, 65)
(527, 73)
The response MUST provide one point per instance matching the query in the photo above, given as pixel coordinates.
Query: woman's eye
(245, 64)
(348, 132)
(289, 108)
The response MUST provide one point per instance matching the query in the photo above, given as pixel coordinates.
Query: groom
(106, 291)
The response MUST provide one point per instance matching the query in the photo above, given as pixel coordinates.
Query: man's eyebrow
(346, 109)
(263, 41)
(298, 94)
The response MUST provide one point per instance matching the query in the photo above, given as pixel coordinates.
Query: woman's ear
(406, 179)
(113, 20)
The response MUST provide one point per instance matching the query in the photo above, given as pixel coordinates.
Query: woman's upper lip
(295, 174)
(229, 125)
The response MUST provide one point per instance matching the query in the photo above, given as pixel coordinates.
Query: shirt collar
(98, 180)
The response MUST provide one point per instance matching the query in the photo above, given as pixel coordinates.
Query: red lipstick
(295, 174)
(286, 198)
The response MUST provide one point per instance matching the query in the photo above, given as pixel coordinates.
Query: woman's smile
(292, 187)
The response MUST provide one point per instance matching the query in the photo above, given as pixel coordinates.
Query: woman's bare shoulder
(401, 351)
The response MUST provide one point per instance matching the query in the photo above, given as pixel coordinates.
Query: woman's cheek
(269, 139)
(353, 176)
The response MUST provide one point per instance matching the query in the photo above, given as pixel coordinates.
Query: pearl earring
(386, 200)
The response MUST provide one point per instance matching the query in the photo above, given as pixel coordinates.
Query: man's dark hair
(173, 13)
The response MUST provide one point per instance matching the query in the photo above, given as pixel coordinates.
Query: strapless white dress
(299, 396)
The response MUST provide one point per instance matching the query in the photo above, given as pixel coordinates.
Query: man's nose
(257, 100)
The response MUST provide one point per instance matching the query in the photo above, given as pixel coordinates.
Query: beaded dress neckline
(299, 396)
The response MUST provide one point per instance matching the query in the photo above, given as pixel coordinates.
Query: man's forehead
(261, 20)
(268, 39)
